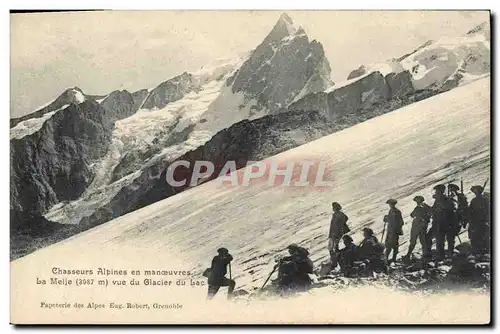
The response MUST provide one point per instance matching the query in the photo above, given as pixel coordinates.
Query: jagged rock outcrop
(282, 66)
(360, 95)
(169, 91)
(357, 72)
(54, 163)
(122, 104)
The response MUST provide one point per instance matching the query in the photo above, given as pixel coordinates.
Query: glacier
(400, 154)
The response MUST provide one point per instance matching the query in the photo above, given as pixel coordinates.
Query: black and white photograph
(250, 167)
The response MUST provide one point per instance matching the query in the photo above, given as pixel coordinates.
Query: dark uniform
(444, 222)
(371, 251)
(394, 220)
(479, 227)
(461, 207)
(421, 217)
(218, 271)
(348, 255)
(294, 270)
(338, 227)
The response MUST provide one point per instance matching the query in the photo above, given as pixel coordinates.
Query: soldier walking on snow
(444, 222)
(217, 276)
(421, 217)
(394, 220)
(479, 226)
(338, 227)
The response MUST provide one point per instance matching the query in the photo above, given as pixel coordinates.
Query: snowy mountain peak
(441, 64)
(77, 94)
(283, 28)
(286, 21)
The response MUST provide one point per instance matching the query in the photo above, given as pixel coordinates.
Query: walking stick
(268, 277)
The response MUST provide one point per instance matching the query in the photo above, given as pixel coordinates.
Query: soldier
(294, 270)
(338, 227)
(371, 251)
(479, 226)
(394, 221)
(444, 221)
(461, 207)
(218, 271)
(421, 217)
(348, 255)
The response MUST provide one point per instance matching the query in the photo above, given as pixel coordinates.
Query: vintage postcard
(250, 167)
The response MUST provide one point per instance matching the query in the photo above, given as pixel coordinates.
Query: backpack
(207, 272)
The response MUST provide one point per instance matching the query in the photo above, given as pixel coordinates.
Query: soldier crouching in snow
(348, 255)
(371, 252)
(217, 275)
(394, 221)
(338, 227)
(294, 270)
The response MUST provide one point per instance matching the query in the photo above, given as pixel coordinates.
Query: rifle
(230, 271)
(461, 186)
(485, 183)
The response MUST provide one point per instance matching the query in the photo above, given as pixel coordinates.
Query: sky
(104, 51)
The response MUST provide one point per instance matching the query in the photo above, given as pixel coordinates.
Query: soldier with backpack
(294, 270)
(461, 207)
(338, 227)
(216, 274)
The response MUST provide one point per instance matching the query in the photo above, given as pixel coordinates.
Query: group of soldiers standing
(447, 216)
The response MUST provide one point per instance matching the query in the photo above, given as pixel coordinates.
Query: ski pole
(268, 277)
(230, 271)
